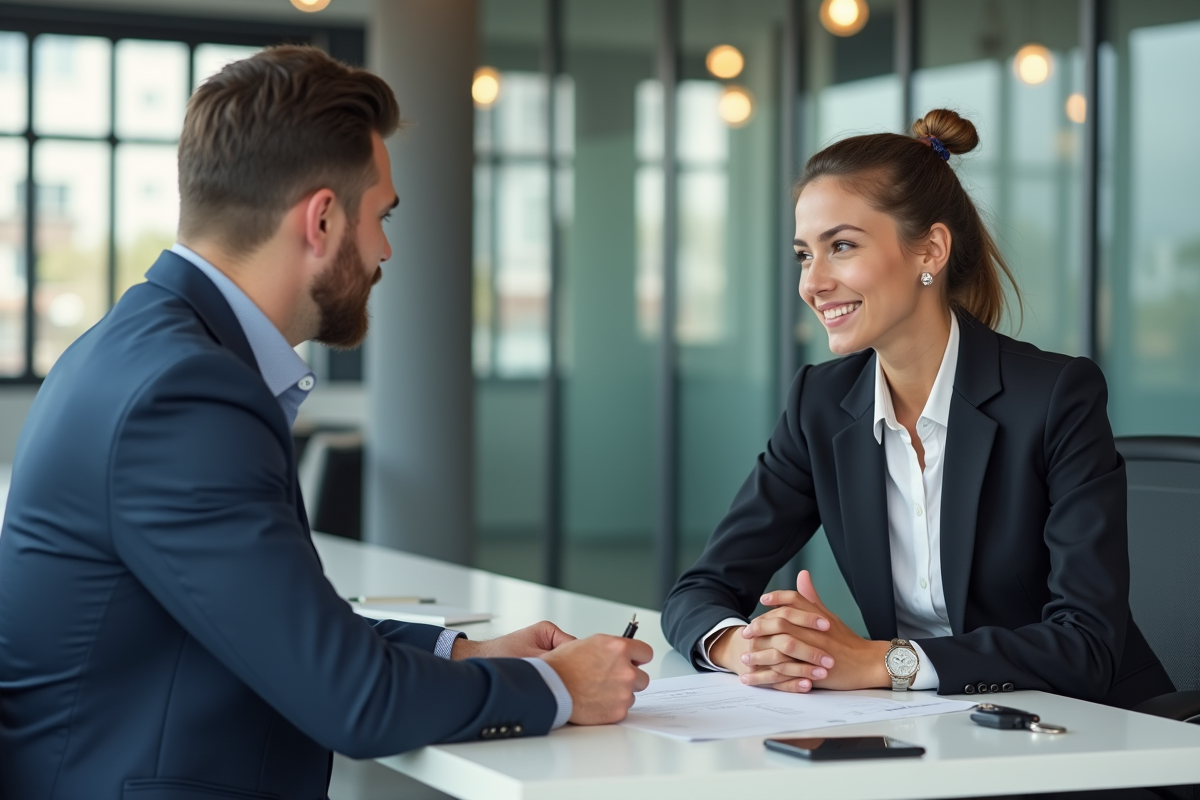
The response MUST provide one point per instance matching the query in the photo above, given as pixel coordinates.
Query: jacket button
(983, 688)
(518, 730)
(969, 689)
(504, 730)
(1008, 687)
(993, 688)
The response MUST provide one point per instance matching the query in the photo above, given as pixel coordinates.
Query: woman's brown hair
(909, 180)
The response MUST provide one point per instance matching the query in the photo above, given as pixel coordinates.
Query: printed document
(716, 705)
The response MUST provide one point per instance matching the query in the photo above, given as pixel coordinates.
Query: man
(166, 631)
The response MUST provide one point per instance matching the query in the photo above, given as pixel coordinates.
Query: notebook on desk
(427, 613)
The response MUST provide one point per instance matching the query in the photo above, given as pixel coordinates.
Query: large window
(90, 116)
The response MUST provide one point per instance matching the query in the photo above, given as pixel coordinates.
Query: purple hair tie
(937, 146)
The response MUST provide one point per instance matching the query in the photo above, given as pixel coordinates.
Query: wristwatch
(902, 664)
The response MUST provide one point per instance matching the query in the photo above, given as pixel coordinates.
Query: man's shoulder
(150, 344)
(148, 336)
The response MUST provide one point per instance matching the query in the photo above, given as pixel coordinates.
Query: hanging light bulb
(844, 17)
(1033, 64)
(725, 61)
(310, 6)
(485, 89)
(736, 106)
(1077, 108)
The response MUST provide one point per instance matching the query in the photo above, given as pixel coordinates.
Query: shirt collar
(937, 407)
(281, 366)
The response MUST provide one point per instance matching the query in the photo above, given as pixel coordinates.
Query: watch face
(902, 661)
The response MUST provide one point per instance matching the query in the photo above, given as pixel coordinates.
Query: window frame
(345, 42)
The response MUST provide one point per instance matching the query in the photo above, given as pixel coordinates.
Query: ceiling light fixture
(844, 17)
(1077, 108)
(485, 88)
(310, 6)
(725, 61)
(1033, 64)
(736, 106)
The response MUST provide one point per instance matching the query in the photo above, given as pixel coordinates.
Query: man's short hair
(266, 131)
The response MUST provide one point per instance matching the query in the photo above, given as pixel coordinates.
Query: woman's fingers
(787, 597)
(803, 619)
(773, 680)
(784, 665)
(783, 636)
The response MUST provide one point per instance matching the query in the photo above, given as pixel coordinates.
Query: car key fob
(1005, 718)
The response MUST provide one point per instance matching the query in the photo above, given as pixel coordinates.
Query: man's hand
(536, 640)
(601, 673)
(793, 652)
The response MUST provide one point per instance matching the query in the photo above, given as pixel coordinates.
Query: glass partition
(510, 341)
(1150, 220)
(727, 252)
(1015, 70)
(608, 364)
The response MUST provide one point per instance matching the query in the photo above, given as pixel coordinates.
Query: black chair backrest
(1164, 548)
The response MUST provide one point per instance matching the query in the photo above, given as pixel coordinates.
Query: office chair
(331, 479)
(1164, 556)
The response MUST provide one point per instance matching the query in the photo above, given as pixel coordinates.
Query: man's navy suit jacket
(166, 630)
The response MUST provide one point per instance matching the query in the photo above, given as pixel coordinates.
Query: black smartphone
(834, 748)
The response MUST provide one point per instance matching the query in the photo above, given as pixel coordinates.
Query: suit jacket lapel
(861, 469)
(969, 439)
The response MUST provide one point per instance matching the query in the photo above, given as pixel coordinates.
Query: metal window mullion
(112, 175)
(1090, 12)
(790, 83)
(495, 162)
(552, 539)
(30, 215)
(667, 529)
(906, 57)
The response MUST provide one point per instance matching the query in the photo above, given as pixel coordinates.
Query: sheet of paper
(715, 705)
(428, 613)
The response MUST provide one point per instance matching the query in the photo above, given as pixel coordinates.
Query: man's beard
(341, 296)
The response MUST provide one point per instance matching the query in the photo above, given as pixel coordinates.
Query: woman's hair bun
(957, 134)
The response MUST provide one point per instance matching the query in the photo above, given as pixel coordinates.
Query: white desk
(1105, 748)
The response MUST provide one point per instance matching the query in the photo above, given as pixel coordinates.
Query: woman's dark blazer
(1035, 565)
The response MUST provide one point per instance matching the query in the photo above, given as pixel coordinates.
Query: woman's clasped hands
(799, 644)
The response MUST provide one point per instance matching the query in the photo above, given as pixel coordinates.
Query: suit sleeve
(1076, 648)
(202, 511)
(410, 633)
(772, 516)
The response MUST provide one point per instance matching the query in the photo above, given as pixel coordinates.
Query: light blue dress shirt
(290, 380)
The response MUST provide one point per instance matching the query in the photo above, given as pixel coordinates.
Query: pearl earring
(926, 279)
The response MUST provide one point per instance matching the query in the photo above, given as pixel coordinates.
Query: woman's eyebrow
(829, 234)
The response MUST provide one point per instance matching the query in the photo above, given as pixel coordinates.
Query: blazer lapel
(861, 469)
(969, 439)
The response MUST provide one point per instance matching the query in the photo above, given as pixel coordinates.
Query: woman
(968, 483)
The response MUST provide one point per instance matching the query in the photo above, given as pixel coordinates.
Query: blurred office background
(620, 307)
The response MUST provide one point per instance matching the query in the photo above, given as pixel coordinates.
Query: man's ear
(321, 216)
(936, 253)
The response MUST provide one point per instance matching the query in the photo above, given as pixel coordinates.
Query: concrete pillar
(419, 454)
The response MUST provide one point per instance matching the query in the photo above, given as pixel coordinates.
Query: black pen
(631, 628)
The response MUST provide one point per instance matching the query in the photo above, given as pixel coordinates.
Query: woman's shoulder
(1024, 366)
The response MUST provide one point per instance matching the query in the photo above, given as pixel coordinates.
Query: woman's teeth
(838, 311)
